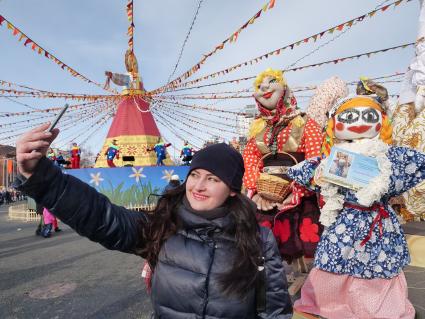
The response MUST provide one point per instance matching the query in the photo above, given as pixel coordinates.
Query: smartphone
(58, 117)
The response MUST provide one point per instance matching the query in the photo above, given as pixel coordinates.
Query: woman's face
(206, 191)
(269, 92)
(358, 122)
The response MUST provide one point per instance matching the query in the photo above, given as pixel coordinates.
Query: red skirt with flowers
(297, 230)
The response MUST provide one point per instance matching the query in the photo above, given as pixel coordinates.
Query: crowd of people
(10, 195)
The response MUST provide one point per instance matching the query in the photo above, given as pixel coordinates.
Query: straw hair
(277, 74)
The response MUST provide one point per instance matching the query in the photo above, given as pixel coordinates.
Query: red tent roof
(133, 118)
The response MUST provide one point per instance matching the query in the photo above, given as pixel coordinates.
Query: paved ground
(68, 276)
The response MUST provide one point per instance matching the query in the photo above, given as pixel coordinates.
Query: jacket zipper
(214, 246)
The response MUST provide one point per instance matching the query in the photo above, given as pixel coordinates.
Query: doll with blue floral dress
(358, 265)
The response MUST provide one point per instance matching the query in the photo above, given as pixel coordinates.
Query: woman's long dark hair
(242, 276)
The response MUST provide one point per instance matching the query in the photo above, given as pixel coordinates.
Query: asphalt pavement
(68, 276)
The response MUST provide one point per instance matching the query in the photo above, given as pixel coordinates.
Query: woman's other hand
(32, 146)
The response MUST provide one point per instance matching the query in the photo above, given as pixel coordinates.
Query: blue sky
(90, 36)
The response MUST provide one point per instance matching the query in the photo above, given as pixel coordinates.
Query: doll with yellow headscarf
(360, 256)
(280, 137)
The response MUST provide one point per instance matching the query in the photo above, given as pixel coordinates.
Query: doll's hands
(263, 204)
(287, 201)
(32, 146)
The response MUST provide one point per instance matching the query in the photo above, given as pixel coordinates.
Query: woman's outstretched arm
(77, 204)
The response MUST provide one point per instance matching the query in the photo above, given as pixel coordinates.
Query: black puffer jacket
(185, 284)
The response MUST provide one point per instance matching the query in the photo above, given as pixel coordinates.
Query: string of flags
(232, 38)
(38, 49)
(95, 127)
(95, 118)
(187, 125)
(333, 61)
(191, 119)
(191, 134)
(180, 112)
(210, 114)
(50, 110)
(194, 107)
(171, 128)
(46, 94)
(313, 38)
(67, 123)
(294, 88)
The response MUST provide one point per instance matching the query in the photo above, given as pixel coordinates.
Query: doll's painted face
(358, 122)
(269, 92)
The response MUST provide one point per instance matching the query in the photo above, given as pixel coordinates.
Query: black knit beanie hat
(223, 161)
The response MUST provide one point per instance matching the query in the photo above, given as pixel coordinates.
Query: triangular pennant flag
(322, 33)
(314, 37)
(264, 8)
(371, 14)
(34, 46)
(349, 23)
(15, 31)
(331, 30)
(271, 4)
(1, 19)
(340, 27)
(395, 4)
(21, 37)
(385, 8)
(10, 26)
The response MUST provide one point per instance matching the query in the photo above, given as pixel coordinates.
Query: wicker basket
(272, 187)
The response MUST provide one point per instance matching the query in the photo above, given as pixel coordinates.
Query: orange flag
(9, 166)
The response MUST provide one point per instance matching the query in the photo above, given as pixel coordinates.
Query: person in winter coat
(50, 224)
(173, 183)
(209, 257)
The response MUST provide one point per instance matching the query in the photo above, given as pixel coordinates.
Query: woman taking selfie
(208, 256)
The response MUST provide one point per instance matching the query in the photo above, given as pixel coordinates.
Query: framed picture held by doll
(350, 170)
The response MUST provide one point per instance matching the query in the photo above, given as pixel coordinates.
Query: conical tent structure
(135, 130)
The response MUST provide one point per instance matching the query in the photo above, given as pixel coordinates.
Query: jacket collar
(194, 219)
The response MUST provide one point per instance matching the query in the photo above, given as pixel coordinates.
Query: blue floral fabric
(383, 256)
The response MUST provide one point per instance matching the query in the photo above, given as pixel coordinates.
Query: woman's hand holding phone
(32, 146)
